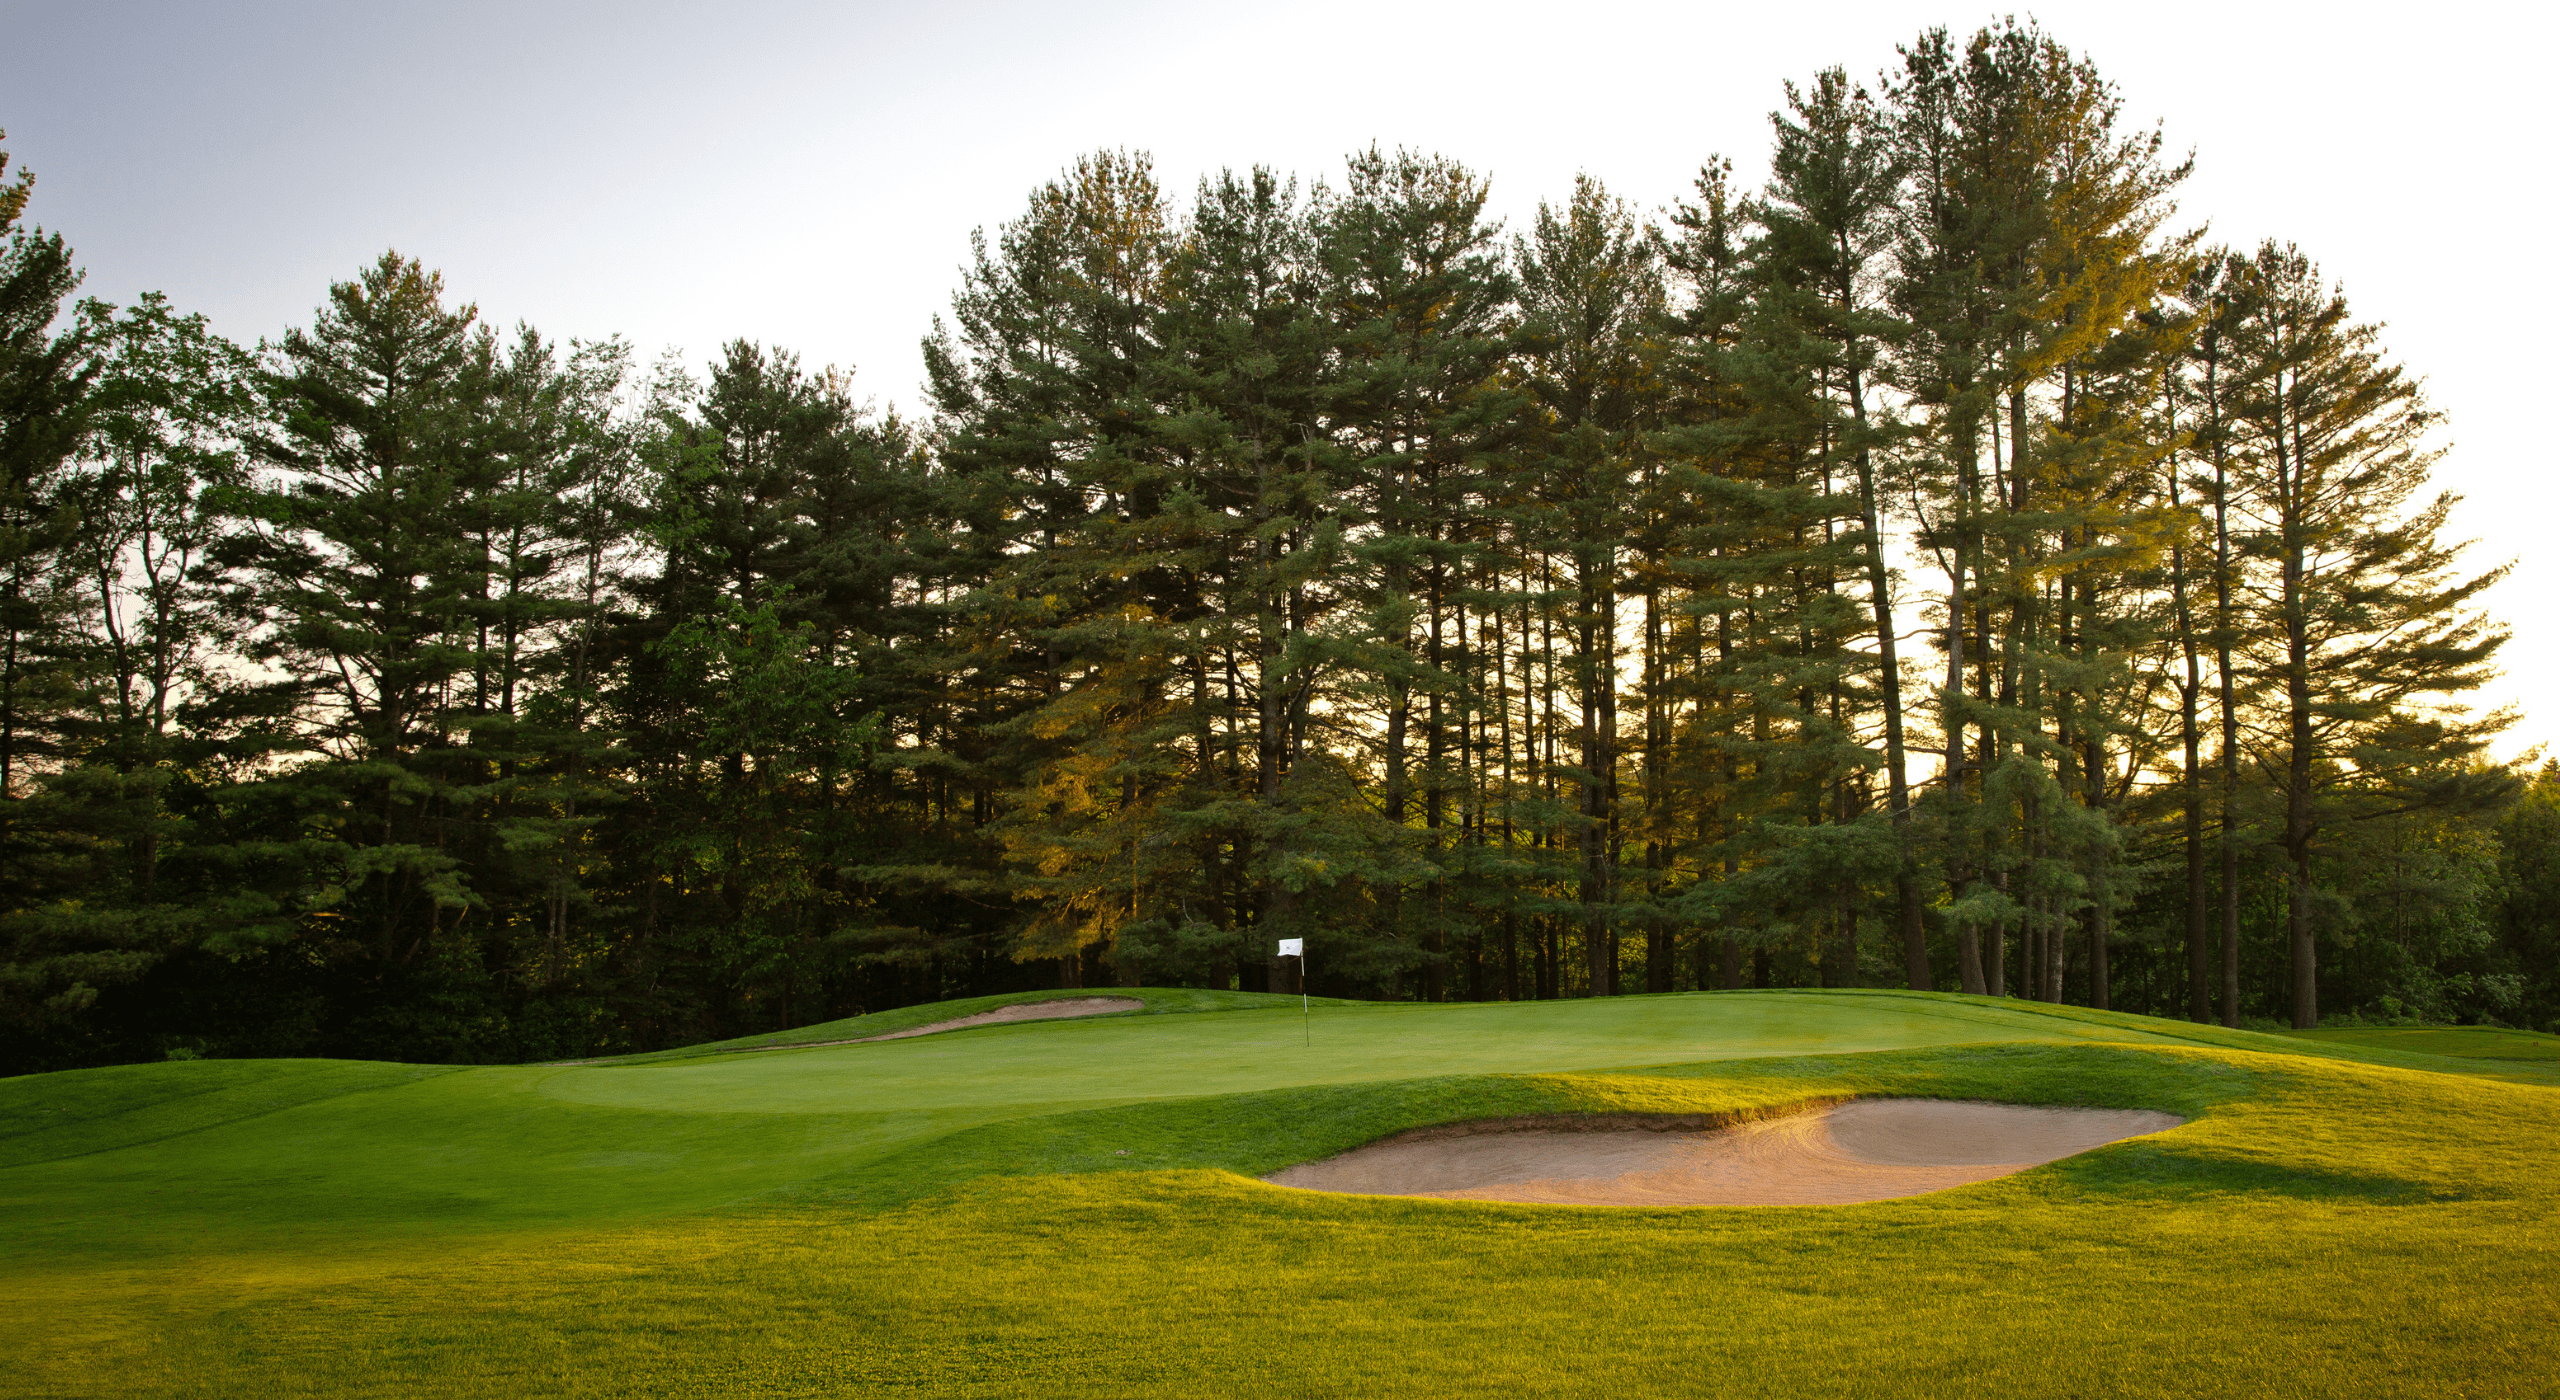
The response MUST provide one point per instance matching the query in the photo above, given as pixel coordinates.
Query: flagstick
(1297, 948)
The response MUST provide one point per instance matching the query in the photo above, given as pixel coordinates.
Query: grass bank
(1069, 1208)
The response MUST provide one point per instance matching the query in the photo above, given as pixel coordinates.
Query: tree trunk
(1848, 976)
(1435, 938)
(2191, 790)
(1969, 961)
(2227, 710)
(1906, 881)
(2298, 762)
(2101, 927)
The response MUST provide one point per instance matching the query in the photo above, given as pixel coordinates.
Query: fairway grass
(1068, 1207)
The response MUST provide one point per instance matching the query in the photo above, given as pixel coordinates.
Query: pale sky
(808, 174)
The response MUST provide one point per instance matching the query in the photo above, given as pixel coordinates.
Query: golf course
(1075, 1206)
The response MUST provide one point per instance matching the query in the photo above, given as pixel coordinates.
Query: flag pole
(1297, 948)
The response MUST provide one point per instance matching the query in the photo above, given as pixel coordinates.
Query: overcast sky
(808, 174)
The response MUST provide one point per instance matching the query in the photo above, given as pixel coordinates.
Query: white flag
(1293, 947)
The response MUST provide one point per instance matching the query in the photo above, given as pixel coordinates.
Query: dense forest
(1939, 568)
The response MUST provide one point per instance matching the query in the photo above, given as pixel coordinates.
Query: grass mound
(1068, 1207)
(1160, 1001)
(2528, 1056)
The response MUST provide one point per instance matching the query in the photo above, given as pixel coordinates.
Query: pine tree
(44, 380)
(1418, 297)
(1835, 177)
(67, 927)
(365, 577)
(1259, 532)
(1591, 295)
(545, 517)
(1050, 418)
(2367, 633)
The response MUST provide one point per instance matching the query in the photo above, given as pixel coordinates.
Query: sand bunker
(1019, 1011)
(1870, 1150)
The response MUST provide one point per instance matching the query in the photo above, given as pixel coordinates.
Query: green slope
(236, 1153)
(2525, 1056)
(993, 1210)
(1118, 1058)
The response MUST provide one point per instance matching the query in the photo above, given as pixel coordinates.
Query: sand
(1869, 1150)
(1019, 1011)
(1022, 1011)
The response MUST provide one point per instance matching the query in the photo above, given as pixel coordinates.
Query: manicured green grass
(1068, 1207)
(2529, 1055)
(1160, 1001)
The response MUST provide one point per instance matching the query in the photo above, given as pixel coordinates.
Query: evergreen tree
(2368, 634)
(56, 957)
(366, 575)
(1835, 177)
(1257, 530)
(1591, 294)
(44, 380)
(1046, 390)
(1420, 304)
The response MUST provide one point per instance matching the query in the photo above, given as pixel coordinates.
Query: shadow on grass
(2148, 1171)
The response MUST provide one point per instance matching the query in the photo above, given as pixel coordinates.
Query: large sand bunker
(1870, 1150)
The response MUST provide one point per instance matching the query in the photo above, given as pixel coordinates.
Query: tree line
(1938, 568)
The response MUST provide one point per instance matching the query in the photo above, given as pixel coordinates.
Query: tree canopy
(1937, 568)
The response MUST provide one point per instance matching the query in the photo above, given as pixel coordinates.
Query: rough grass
(2321, 1226)
(2525, 1056)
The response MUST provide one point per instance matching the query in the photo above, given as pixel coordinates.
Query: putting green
(1066, 1207)
(160, 1159)
(1116, 1059)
